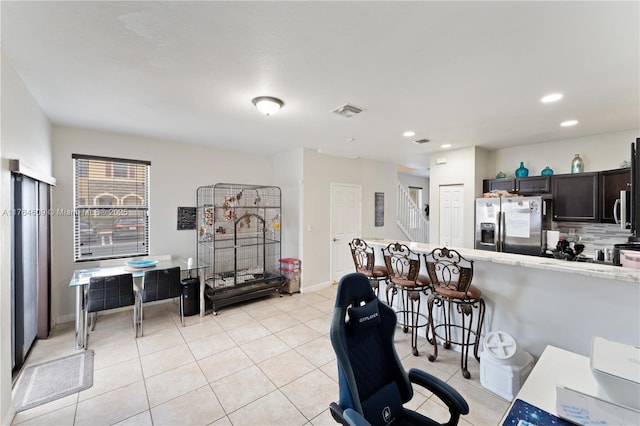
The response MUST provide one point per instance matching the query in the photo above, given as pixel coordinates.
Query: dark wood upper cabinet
(505, 184)
(575, 197)
(611, 183)
(527, 186)
(533, 185)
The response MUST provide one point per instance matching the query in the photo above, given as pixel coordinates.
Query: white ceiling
(464, 73)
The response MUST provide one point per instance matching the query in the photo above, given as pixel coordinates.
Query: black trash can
(190, 296)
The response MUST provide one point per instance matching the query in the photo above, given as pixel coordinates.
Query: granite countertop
(598, 270)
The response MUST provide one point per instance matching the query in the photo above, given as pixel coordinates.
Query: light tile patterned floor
(265, 362)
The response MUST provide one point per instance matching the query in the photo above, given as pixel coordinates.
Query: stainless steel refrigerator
(512, 225)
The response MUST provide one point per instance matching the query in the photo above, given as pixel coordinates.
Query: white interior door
(345, 225)
(451, 215)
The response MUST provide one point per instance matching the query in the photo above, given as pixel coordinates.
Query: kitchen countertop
(598, 270)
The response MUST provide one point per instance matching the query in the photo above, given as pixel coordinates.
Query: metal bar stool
(451, 276)
(364, 261)
(403, 265)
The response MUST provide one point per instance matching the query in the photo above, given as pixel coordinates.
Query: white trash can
(504, 366)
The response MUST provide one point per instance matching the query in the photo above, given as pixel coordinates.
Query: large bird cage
(239, 230)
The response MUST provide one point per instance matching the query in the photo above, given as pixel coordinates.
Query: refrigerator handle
(615, 211)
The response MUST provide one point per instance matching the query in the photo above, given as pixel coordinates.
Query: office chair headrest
(354, 289)
(365, 315)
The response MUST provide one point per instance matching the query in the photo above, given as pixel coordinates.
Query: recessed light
(446, 145)
(409, 133)
(569, 123)
(551, 98)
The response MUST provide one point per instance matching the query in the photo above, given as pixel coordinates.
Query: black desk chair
(106, 293)
(373, 383)
(161, 284)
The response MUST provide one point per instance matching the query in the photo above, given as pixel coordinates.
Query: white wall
(320, 171)
(177, 170)
(599, 152)
(288, 176)
(25, 135)
(460, 169)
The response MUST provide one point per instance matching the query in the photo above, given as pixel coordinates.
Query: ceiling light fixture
(551, 98)
(409, 133)
(446, 145)
(267, 105)
(569, 123)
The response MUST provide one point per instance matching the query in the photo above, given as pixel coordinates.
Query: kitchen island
(542, 301)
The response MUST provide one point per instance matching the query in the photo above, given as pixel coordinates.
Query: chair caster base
(466, 374)
(432, 358)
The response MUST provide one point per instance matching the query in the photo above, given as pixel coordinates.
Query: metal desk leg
(202, 307)
(79, 317)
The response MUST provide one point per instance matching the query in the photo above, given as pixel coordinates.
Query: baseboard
(315, 287)
(64, 318)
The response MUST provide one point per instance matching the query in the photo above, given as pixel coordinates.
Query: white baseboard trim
(315, 287)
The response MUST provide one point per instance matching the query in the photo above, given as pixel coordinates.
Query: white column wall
(26, 136)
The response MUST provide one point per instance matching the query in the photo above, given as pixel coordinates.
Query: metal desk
(80, 280)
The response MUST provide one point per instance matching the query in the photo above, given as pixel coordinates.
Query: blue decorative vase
(522, 171)
(546, 172)
(501, 175)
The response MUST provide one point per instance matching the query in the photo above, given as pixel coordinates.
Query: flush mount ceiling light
(267, 105)
(569, 123)
(409, 133)
(445, 145)
(551, 98)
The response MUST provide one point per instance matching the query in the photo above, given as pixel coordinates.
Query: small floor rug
(51, 380)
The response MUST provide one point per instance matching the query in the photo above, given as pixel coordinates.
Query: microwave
(622, 210)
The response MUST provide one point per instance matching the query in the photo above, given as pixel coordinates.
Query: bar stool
(403, 265)
(451, 276)
(364, 261)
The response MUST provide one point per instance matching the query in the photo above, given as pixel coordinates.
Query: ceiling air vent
(347, 110)
(421, 141)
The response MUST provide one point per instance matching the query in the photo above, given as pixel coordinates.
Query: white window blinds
(111, 207)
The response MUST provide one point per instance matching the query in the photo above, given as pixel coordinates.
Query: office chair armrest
(348, 417)
(456, 403)
(354, 418)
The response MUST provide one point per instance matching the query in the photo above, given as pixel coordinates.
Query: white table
(80, 280)
(556, 367)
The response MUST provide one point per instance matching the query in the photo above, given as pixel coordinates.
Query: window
(111, 207)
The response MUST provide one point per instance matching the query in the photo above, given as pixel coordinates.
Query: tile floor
(265, 362)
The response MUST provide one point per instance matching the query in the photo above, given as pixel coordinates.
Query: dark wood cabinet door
(575, 197)
(499, 185)
(533, 185)
(611, 183)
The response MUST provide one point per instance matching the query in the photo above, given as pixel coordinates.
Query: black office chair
(160, 284)
(106, 293)
(373, 384)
